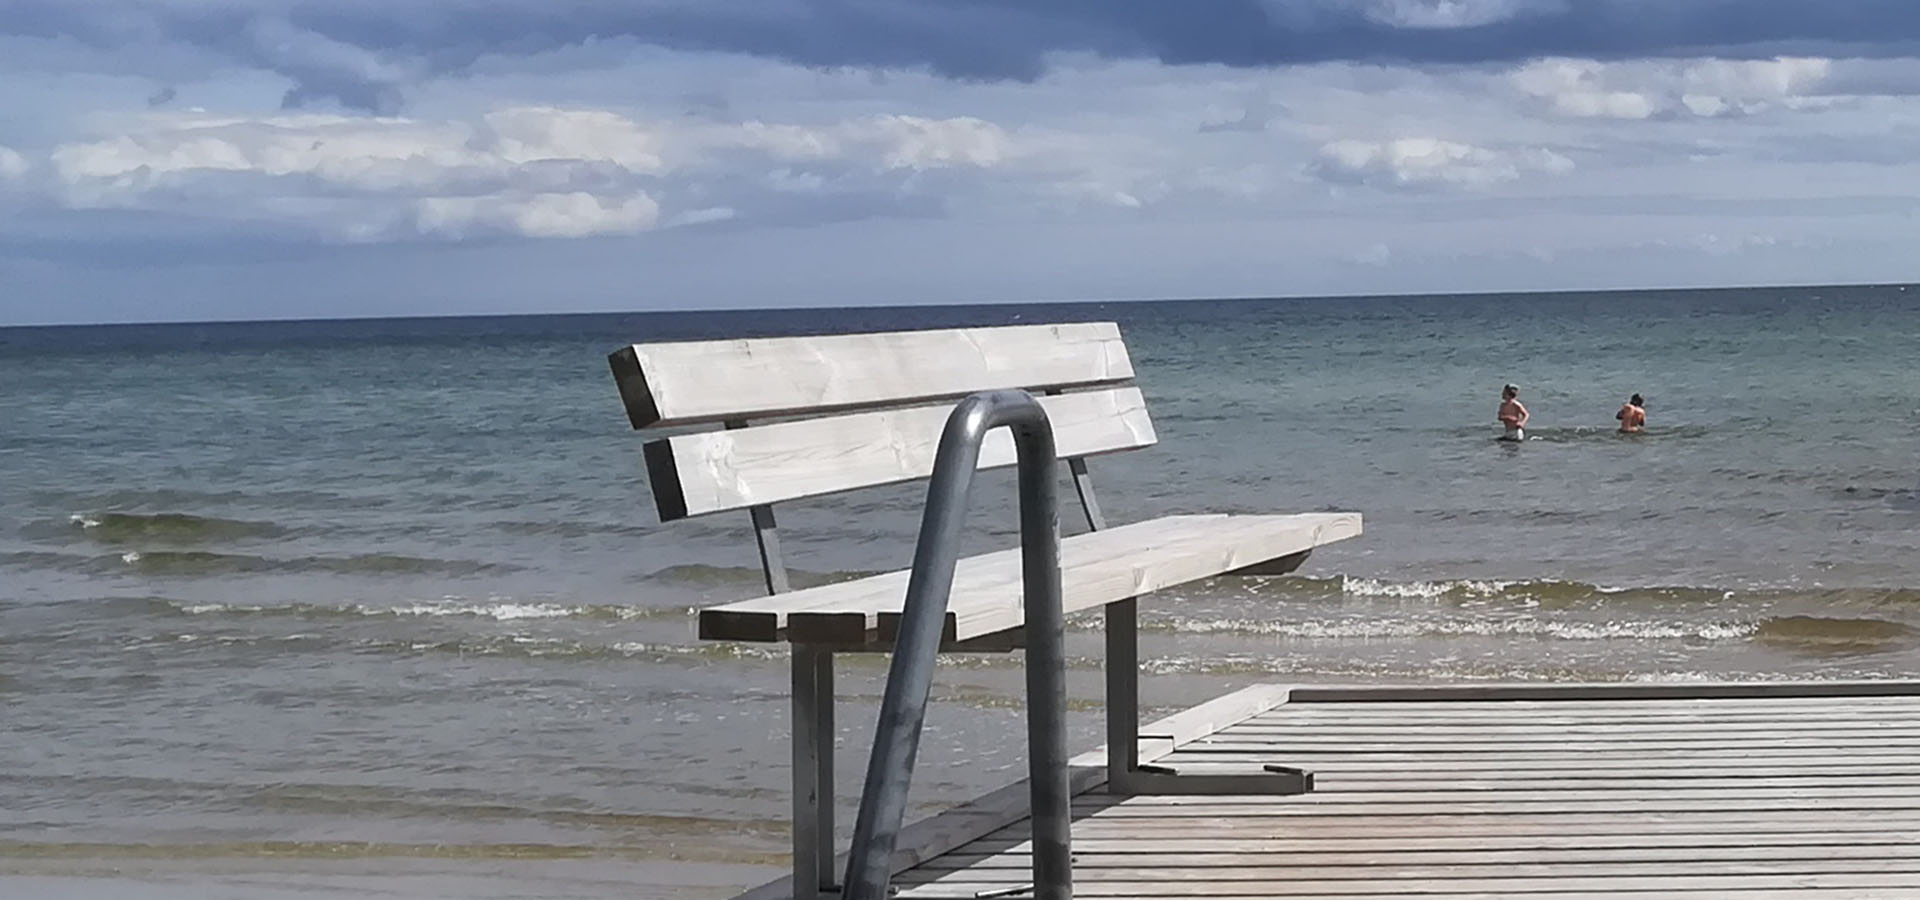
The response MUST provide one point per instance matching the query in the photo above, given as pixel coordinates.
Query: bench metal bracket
(1166, 781)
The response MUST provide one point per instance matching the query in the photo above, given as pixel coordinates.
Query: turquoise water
(325, 608)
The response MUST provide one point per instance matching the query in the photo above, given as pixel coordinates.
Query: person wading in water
(1512, 414)
(1632, 415)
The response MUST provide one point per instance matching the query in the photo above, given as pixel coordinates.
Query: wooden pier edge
(1698, 690)
(952, 828)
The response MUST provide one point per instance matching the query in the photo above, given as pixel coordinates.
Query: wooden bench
(856, 411)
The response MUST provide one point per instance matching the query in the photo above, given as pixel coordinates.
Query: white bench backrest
(859, 384)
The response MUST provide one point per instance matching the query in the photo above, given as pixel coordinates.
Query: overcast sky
(218, 159)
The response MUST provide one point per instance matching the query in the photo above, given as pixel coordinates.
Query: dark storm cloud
(359, 53)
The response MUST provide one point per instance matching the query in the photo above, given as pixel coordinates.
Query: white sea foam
(1350, 629)
(1419, 590)
(503, 611)
(730, 650)
(495, 608)
(130, 557)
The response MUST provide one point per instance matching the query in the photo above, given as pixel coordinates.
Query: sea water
(357, 608)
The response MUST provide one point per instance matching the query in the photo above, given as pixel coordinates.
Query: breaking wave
(499, 609)
(1836, 635)
(202, 563)
(1492, 627)
(174, 528)
(1548, 593)
(195, 562)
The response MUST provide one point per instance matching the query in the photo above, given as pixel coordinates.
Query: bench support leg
(1125, 775)
(1123, 692)
(812, 730)
(812, 772)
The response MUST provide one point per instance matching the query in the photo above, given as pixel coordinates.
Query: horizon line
(289, 320)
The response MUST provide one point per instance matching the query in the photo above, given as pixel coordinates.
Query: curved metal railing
(903, 709)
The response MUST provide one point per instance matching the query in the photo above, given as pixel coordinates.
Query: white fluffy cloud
(1418, 162)
(1584, 88)
(12, 164)
(535, 134)
(1443, 14)
(912, 142)
(365, 153)
(889, 141)
(575, 214)
(530, 171)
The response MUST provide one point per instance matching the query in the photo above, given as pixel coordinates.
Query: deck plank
(1089, 870)
(1306, 861)
(1752, 793)
(1149, 843)
(1327, 784)
(1169, 885)
(1338, 774)
(1515, 825)
(1653, 744)
(1827, 893)
(1533, 730)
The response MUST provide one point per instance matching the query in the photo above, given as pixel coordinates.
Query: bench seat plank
(1096, 568)
(713, 471)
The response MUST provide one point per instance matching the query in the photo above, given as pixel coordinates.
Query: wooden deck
(1808, 790)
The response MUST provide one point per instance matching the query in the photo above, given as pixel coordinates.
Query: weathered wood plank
(1823, 893)
(1520, 729)
(1270, 726)
(1521, 736)
(1149, 804)
(1812, 824)
(1189, 725)
(1705, 710)
(1336, 745)
(1484, 863)
(1096, 568)
(1564, 874)
(1712, 723)
(1732, 885)
(1502, 696)
(1331, 783)
(1710, 755)
(767, 618)
(1202, 548)
(1339, 771)
(1502, 805)
(687, 382)
(714, 471)
(1153, 842)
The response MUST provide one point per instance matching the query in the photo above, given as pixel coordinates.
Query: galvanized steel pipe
(903, 708)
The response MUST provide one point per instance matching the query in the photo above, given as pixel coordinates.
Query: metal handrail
(903, 709)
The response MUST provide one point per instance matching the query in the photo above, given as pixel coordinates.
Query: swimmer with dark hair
(1513, 414)
(1632, 415)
